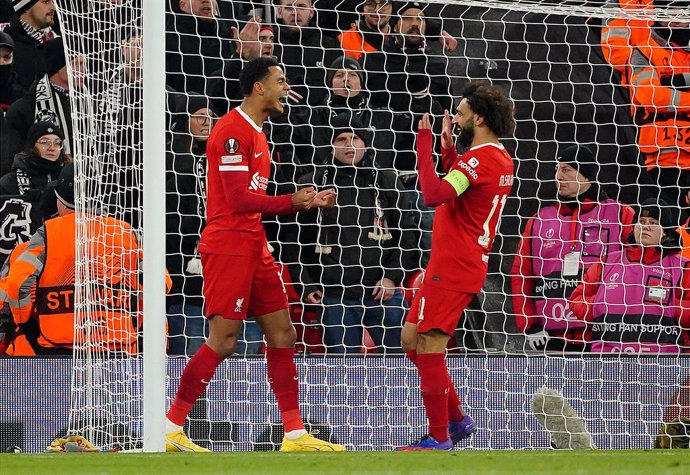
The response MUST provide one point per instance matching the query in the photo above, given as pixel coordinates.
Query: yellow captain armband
(457, 180)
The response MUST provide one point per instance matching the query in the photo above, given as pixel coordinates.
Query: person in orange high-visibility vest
(48, 265)
(14, 339)
(653, 59)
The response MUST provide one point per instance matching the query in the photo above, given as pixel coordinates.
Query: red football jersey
(464, 228)
(236, 144)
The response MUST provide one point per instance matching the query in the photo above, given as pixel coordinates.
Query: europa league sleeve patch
(231, 145)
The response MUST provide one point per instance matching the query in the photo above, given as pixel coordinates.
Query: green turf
(395, 463)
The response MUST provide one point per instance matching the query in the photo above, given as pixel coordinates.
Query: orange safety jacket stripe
(662, 113)
(353, 43)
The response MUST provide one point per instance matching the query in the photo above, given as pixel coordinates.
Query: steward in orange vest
(653, 59)
(48, 265)
(17, 338)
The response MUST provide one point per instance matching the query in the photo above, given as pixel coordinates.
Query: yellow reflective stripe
(457, 180)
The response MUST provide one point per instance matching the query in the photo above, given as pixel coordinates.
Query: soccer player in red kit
(240, 276)
(469, 201)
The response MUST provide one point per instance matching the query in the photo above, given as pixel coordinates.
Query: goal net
(356, 386)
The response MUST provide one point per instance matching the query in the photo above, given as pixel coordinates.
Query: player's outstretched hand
(302, 199)
(424, 122)
(447, 131)
(324, 199)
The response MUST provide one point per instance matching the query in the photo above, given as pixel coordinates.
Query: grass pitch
(628, 462)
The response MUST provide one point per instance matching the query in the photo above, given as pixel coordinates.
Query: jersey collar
(497, 145)
(248, 119)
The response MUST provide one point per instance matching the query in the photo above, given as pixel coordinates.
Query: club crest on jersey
(231, 146)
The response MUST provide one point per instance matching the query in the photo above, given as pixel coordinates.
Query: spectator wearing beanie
(347, 92)
(31, 28)
(636, 299)
(559, 244)
(47, 100)
(10, 89)
(358, 289)
(25, 188)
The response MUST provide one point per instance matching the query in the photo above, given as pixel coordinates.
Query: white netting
(547, 56)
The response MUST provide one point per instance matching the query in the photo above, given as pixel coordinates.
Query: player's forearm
(241, 200)
(435, 191)
(449, 157)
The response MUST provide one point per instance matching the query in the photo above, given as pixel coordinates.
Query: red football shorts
(434, 308)
(236, 287)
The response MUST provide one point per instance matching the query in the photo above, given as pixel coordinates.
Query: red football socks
(282, 375)
(455, 412)
(454, 404)
(195, 377)
(433, 376)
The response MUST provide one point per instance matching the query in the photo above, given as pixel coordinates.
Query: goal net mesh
(549, 58)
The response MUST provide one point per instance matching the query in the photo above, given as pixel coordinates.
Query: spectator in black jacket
(10, 89)
(47, 100)
(311, 132)
(197, 42)
(354, 256)
(304, 51)
(31, 28)
(24, 198)
(186, 208)
(402, 76)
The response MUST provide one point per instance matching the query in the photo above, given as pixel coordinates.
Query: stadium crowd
(590, 273)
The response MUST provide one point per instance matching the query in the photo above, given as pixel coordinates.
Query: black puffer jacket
(368, 235)
(25, 200)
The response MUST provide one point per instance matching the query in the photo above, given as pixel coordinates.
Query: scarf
(49, 108)
(39, 36)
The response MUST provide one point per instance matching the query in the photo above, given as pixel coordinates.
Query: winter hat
(20, 6)
(191, 103)
(64, 185)
(39, 129)
(581, 159)
(401, 7)
(6, 40)
(344, 62)
(54, 55)
(659, 210)
(347, 122)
